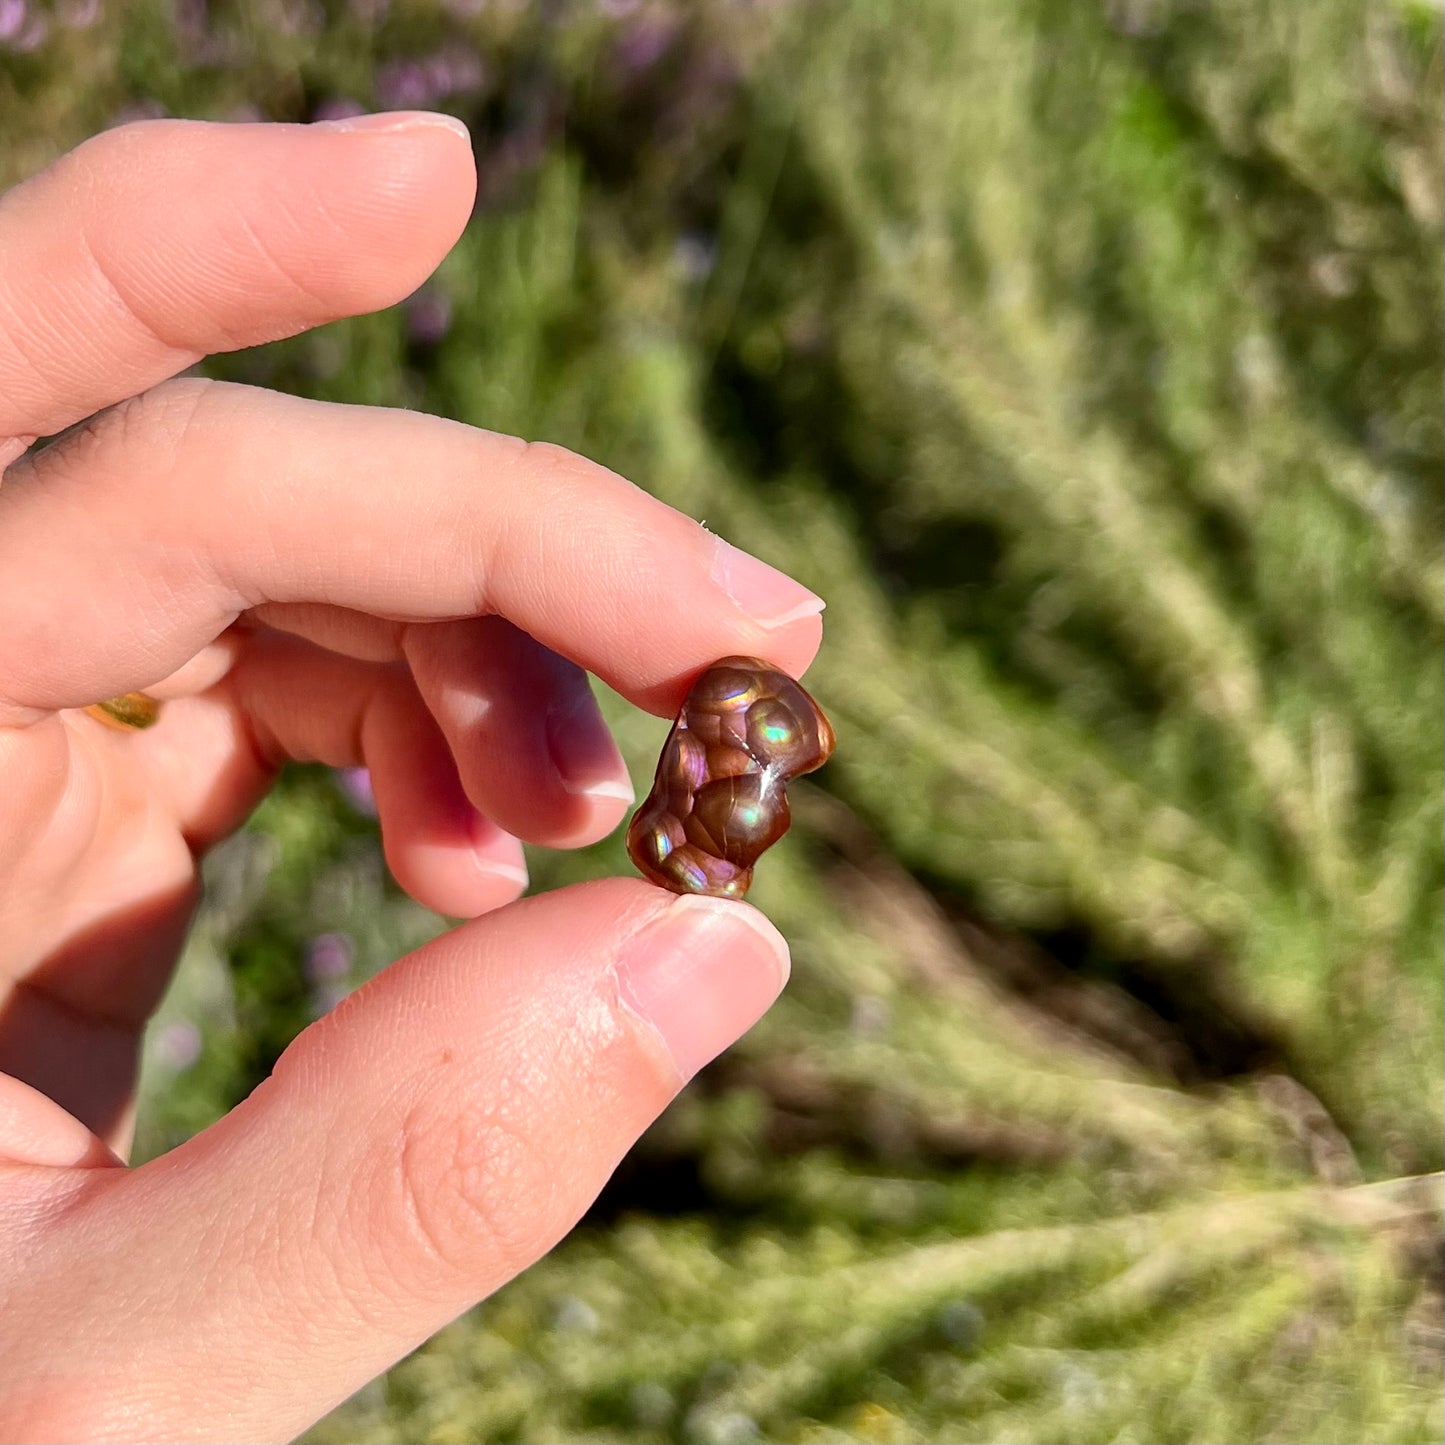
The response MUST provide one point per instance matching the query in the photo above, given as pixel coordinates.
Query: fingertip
(589, 771)
(532, 747)
(426, 158)
(700, 974)
(446, 855)
(35, 1130)
(397, 195)
(456, 882)
(593, 818)
(284, 227)
(394, 122)
(796, 644)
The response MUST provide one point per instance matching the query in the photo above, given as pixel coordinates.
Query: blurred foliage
(1085, 354)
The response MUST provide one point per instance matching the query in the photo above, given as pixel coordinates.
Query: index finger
(128, 546)
(154, 244)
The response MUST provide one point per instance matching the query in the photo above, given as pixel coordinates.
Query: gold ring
(133, 712)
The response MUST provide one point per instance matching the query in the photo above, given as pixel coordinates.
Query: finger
(530, 742)
(201, 672)
(110, 285)
(117, 563)
(340, 629)
(304, 703)
(533, 749)
(426, 1141)
(36, 1131)
(446, 854)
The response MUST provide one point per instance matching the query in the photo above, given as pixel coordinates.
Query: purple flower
(338, 108)
(642, 44)
(422, 81)
(328, 957)
(325, 996)
(79, 14)
(192, 19)
(20, 28)
(428, 316)
(297, 17)
(695, 256)
(710, 81)
(870, 1016)
(199, 40)
(404, 85)
(177, 1046)
(457, 70)
(13, 14)
(370, 12)
(37, 28)
(355, 786)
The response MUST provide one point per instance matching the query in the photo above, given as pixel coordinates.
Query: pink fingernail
(517, 876)
(581, 748)
(395, 121)
(702, 973)
(768, 596)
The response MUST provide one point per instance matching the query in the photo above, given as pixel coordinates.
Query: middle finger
(531, 745)
(158, 524)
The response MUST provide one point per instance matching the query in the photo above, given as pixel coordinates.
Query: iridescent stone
(720, 795)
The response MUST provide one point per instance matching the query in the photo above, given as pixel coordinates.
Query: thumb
(433, 1136)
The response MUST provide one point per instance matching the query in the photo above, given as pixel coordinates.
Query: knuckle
(600, 508)
(164, 419)
(548, 456)
(150, 432)
(560, 474)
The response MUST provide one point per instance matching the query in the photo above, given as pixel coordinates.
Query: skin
(349, 585)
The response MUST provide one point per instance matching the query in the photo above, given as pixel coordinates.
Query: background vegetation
(1085, 354)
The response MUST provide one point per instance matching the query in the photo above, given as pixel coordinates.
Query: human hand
(354, 586)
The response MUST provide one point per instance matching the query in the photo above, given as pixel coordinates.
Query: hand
(354, 586)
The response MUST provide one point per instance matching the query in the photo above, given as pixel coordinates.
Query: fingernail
(701, 974)
(587, 761)
(768, 596)
(517, 877)
(396, 121)
(489, 843)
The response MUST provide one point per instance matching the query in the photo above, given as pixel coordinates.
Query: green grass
(1086, 357)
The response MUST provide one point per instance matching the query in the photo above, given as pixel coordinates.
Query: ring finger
(286, 698)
